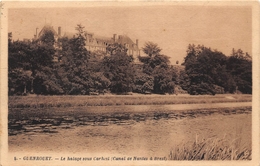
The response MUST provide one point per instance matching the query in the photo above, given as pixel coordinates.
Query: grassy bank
(113, 100)
(212, 149)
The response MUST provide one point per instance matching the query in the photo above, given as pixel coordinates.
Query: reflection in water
(51, 123)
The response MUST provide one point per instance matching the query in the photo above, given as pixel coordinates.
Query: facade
(95, 42)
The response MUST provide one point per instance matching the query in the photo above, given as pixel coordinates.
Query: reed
(212, 149)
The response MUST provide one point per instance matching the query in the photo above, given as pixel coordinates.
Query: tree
(156, 65)
(213, 72)
(25, 61)
(41, 63)
(31, 65)
(154, 57)
(118, 68)
(75, 60)
(183, 80)
(46, 82)
(151, 49)
(239, 65)
(19, 81)
(163, 80)
(144, 83)
(200, 65)
(48, 37)
(100, 83)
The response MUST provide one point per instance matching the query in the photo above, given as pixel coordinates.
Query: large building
(95, 42)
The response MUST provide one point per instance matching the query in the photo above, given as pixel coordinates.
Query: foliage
(74, 69)
(157, 66)
(47, 38)
(151, 49)
(27, 57)
(51, 66)
(143, 83)
(118, 68)
(162, 80)
(183, 80)
(19, 81)
(209, 69)
(200, 80)
(45, 82)
(239, 65)
(100, 83)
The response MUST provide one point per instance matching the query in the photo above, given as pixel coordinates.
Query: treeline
(65, 67)
(213, 72)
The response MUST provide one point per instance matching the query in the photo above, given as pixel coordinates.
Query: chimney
(114, 37)
(137, 43)
(59, 31)
(36, 35)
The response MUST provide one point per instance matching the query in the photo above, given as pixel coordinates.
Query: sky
(173, 28)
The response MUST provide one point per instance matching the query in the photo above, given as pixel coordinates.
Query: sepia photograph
(120, 83)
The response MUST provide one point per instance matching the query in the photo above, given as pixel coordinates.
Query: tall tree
(26, 61)
(213, 72)
(201, 67)
(239, 64)
(156, 65)
(118, 68)
(41, 60)
(75, 58)
(151, 49)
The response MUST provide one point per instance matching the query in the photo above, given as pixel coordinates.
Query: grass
(212, 149)
(114, 100)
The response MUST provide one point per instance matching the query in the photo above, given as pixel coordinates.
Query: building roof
(102, 38)
(97, 40)
(124, 39)
(69, 35)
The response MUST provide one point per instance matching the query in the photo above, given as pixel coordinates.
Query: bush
(202, 89)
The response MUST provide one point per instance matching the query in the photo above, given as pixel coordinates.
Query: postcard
(129, 83)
